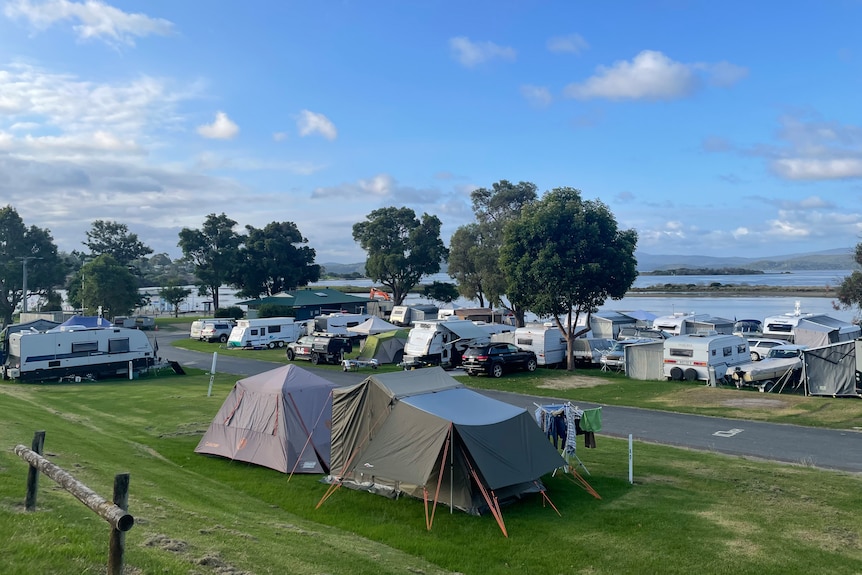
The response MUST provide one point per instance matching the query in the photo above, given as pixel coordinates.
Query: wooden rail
(115, 513)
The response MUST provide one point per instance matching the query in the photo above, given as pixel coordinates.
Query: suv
(759, 348)
(320, 348)
(216, 331)
(496, 358)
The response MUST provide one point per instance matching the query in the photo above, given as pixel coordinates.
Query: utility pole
(24, 261)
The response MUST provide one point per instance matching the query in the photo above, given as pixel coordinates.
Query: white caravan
(74, 351)
(681, 323)
(707, 358)
(545, 340)
(268, 332)
(404, 315)
(337, 323)
(790, 325)
(198, 325)
(441, 342)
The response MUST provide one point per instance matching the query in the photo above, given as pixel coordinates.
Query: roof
(307, 297)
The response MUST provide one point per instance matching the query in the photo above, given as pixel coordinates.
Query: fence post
(33, 474)
(117, 543)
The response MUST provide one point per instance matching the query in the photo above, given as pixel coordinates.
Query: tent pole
(451, 473)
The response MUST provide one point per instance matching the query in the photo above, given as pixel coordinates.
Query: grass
(686, 512)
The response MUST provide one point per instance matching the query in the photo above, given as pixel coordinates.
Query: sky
(711, 128)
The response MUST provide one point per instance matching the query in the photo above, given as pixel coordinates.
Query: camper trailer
(817, 329)
(439, 342)
(545, 340)
(707, 358)
(337, 323)
(74, 351)
(682, 323)
(268, 332)
(404, 315)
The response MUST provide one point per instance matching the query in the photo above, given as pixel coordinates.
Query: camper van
(707, 358)
(198, 325)
(74, 351)
(441, 342)
(268, 332)
(337, 323)
(404, 315)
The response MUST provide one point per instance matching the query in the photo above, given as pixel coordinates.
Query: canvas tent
(831, 370)
(823, 330)
(422, 433)
(278, 419)
(372, 326)
(387, 347)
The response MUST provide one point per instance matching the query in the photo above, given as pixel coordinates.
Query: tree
(109, 285)
(440, 291)
(114, 239)
(274, 260)
(214, 249)
(175, 295)
(31, 248)
(475, 248)
(566, 256)
(401, 248)
(850, 290)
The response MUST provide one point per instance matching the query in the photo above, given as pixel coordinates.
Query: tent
(278, 419)
(822, 330)
(387, 347)
(372, 326)
(423, 434)
(831, 370)
(82, 321)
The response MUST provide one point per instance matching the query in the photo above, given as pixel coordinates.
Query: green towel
(591, 420)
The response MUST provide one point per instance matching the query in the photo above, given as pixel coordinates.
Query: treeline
(704, 272)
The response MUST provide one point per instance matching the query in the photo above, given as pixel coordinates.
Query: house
(308, 303)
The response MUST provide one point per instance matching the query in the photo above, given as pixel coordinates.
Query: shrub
(233, 312)
(275, 310)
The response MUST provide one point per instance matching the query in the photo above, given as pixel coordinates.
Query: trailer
(77, 352)
(404, 315)
(270, 332)
(337, 323)
(707, 358)
(545, 340)
(692, 323)
(441, 342)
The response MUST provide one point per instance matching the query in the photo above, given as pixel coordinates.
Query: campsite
(686, 511)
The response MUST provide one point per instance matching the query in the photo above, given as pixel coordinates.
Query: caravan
(681, 323)
(77, 351)
(404, 315)
(338, 323)
(268, 332)
(545, 340)
(441, 342)
(703, 357)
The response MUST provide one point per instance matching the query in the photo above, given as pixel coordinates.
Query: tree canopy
(114, 239)
(175, 295)
(214, 249)
(566, 256)
(109, 285)
(272, 260)
(850, 289)
(22, 247)
(401, 248)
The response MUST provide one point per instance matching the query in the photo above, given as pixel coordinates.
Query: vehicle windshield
(783, 353)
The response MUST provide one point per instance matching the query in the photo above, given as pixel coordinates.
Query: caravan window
(253, 332)
(85, 346)
(118, 345)
(680, 352)
(783, 327)
(273, 329)
(727, 351)
(741, 348)
(525, 341)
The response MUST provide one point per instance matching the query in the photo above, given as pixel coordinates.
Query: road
(823, 448)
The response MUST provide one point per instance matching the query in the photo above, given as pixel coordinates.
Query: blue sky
(714, 128)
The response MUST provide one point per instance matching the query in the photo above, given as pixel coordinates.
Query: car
(615, 358)
(216, 331)
(319, 348)
(495, 359)
(759, 347)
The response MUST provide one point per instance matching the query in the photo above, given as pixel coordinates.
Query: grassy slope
(686, 511)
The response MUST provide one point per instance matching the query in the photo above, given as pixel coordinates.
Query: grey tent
(278, 419)
(822, 330)
(422, 433)
(372, 325)
(831, 370)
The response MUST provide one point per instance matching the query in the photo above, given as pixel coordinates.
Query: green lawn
(687, 512)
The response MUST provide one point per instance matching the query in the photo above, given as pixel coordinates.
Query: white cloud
(279, 136)
(93, 19)
(310, 123)
(470, 53)
(573, 43)
(818, 169)
(650, 76)
(379, 187)
(222, 128)
(537, 95)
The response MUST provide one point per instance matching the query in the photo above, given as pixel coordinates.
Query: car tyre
(497, 370)
(531, 364)
(676, 373)
(291, 355)
(223, 338)
(315, 358)
(755, 356)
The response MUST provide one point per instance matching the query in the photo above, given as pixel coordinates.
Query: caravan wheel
(280, 344)
(691, 374)
(271, 345)
(676, 373)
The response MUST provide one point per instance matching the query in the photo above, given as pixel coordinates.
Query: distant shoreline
(673, 290)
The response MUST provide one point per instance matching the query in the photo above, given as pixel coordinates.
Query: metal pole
(24, 261)
(631, 477)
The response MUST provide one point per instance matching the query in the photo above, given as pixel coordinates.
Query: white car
(759, 348)
(783, 362)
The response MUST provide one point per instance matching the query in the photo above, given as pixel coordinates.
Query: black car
(497, 358)
(319, 348)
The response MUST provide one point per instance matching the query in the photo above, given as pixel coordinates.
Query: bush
(233, 312)
(275, 310)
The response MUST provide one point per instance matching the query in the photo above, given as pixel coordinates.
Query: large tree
(475, 248)
(401, 248)
(850, 290)
(25, 249)
(566, 257)
(274, 259)
(214, 250)
(175, 294)
(106, 286)
(114, 239)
